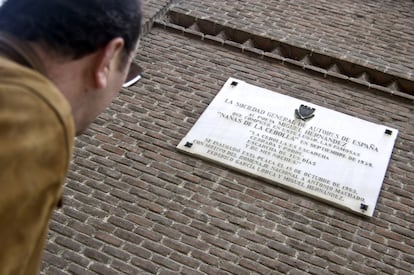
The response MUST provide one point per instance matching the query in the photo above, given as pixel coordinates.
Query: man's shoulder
(34, 116)
(17, 77)
(25, 91)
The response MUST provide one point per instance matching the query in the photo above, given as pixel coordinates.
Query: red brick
(188, 271)
(234, 269)
(54, 260)
(96, 255)
(74, 257)
(74, 268)
(187, 230)
(124, 268)
(68, 243)
(251, 236)
(145, 265)
(195, 243)
(121, 223)
(258, 195)
(116, 252)
(205, 257)
(137, 251)
(157, 248)
(282, 248)
(147, 234)
(211, 270)
(164, 231)
(128, 236)
(244, 253)
(166, 262)
(185, 260)
(269, 221)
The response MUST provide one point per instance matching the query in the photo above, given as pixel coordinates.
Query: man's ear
(106, 60)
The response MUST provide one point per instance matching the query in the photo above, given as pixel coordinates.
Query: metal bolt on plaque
(364, 207)
(188, 144)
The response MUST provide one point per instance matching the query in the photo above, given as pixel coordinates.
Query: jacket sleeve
(34, 157)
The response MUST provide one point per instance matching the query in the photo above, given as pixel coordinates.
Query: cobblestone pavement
(133, 204)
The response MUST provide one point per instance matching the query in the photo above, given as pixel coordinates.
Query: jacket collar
(20, 52)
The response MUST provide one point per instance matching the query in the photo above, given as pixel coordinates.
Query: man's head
(87, 45)
(73, 28)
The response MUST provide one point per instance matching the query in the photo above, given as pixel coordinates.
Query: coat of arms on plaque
(305, 112)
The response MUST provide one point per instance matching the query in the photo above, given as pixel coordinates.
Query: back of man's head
(73, 28)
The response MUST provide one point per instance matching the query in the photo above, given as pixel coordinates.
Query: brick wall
(135, 205)
(380, 33)
(153, 9)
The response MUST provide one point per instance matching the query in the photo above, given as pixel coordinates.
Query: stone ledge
(393, 84)
(149, 19)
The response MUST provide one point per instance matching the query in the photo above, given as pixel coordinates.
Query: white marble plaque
(311, 149)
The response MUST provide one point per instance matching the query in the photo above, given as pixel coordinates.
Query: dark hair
(73, 28)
